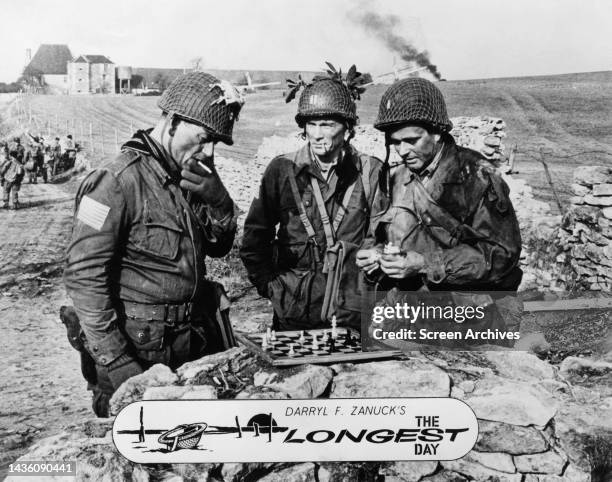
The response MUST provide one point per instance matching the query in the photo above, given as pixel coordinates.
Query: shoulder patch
(92, 213)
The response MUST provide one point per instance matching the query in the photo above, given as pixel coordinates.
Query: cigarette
(205, 167)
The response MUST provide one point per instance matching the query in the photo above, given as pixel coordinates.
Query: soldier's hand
(368, 260)
(401, 266)
(201, 178)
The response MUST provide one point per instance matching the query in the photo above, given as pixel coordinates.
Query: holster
(76, 338)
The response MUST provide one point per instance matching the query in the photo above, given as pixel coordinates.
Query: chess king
(312, 212)
(445, 208)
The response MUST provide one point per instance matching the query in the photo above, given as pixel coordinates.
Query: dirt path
(42, 388)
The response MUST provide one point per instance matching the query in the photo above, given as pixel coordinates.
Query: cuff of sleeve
(434, 270)
(219, 220)
(108, 348)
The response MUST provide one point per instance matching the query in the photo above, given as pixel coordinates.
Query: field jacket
(133, 241)
(280, 260)
(460, 218)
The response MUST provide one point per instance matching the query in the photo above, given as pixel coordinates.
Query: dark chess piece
(349, 337)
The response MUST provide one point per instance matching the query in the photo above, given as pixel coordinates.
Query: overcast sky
(466, 39)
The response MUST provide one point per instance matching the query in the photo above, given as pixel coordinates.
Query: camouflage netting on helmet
(200, 98)
(326, 98)
(413, 100)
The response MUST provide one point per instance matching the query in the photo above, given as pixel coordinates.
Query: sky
(466, 39)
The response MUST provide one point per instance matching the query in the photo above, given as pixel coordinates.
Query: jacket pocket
(145, 335)
(294, 293)
(159, 233)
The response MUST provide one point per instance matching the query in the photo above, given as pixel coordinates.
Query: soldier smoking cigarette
(203, 166)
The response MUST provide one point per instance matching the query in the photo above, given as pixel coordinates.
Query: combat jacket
(138, 238)
(280, 260)
(12, 171)
(458, 215)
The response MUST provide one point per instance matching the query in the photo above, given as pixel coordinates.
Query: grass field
(563, 115)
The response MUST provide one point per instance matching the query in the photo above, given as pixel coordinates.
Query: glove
(121, 369)
(204, 181)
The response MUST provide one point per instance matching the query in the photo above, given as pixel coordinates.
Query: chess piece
(349, 337)
(334, 331)
(391, 249)
(291, 351)
(302, 338)
(315, 342)
(268, 333)
(332, 345)
(264, 342)
(273, 336)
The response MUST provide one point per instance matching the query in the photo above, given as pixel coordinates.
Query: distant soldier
(12, 172)
(55, 153)
(18, 148)
(69, 152)
(33, 162)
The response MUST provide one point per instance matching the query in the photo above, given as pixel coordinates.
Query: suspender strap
(298, 201)
(341, 209)
(365, 177)
(327, 227)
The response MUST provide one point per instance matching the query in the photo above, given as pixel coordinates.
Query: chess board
(277, 353)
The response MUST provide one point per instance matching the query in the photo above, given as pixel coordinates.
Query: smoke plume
(384, 28)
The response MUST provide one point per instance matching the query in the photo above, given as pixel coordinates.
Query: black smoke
(384, 28)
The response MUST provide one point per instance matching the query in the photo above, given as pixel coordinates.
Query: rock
(495, 460)
(585, 434)
(518, 403)
(545, 463)
(411, 471)
(192, 373)
(95, 427)
(263, 393)
(598, 200)
(295, 473)
(200, 392)
(171, 392)
(406, 378)
(133, 389)
(602, 190)
(445, 476)
(467, 386)
(306, 381)
(349, 471)
(573, 365)
(533, 342)
(607, 213)
(589, 175)
(195, 472)
(239, 472)
(492, 141)
(587, 214)
(469, 466)
(519, 365)
(510, 439)
(580, 190)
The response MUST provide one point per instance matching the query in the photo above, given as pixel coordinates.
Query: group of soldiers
(38, 159)
(314, 238)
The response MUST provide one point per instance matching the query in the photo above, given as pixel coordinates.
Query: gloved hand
(201, 178)
(121, 369)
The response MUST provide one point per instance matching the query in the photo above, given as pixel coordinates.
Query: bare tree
(196, 64)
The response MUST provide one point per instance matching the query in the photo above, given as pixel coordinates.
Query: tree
(161, 81)
(32, 77)
(196, 64)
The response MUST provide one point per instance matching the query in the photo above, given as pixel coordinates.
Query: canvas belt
(169, 314)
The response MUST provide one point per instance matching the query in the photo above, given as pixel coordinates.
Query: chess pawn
(291, 350)
(269, 333)
(264, 342)
(315, 342)
(391, 249)
(273, 336)
(302, 338)
(334, 331)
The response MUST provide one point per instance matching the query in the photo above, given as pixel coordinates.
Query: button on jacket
(134, 241)
(459, 217)
(280, 261)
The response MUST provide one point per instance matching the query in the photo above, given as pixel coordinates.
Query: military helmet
(326, 97)
(203, 99)
(413, 100)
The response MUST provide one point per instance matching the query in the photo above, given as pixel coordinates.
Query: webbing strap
(300, 205)
(327, 227)
(365, 177)
(341, 209)
(365, 180)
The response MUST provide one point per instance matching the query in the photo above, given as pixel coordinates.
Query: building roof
(93, 59)
(51, 59)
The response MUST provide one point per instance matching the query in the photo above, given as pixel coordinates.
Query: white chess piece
(273, 336)
(334, 331)
(268, 333)
(315, 342)
(302, 338)
(264, 342)
(291, 351)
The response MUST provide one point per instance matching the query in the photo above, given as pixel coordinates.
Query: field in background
(561, 116)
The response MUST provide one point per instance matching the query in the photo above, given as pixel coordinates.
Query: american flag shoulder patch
(92, 212)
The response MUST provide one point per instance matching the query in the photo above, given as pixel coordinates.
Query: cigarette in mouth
(203, 166)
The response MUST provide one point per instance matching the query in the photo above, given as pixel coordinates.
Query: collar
(165, 168)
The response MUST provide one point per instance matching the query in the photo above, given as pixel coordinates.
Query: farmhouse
(91, 74)
(49, 67)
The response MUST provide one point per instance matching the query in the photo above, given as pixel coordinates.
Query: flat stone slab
(510, 439)
(395, 378)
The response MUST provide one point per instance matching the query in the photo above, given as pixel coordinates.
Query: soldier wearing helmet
(447, 211)
(310, 202)
(143, 226)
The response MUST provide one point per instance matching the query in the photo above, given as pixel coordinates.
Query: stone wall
(534, 423)
(586, 234)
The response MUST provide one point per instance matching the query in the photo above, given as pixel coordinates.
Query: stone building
(49, 67)
(91, 74)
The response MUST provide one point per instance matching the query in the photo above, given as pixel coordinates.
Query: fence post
(91, 144)
(116, 141)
